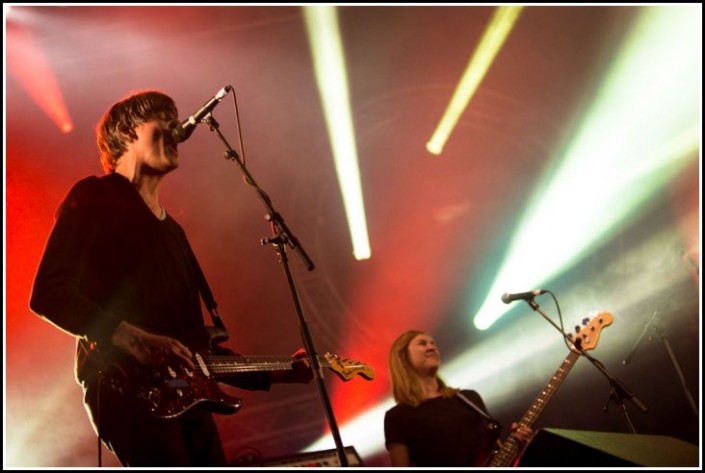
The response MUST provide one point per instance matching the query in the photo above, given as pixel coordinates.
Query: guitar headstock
(590, 333)
(346, 368)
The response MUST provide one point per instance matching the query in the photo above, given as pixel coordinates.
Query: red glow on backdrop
(25, 234)
(412, 283)
(30, 67)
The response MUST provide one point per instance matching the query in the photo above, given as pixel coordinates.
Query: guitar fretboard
(510, 449)
(221, 365)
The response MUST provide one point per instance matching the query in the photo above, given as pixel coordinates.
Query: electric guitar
(167, 392)
(588, 336)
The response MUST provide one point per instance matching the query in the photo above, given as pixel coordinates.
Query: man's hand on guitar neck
(149, 348)
(300, 371)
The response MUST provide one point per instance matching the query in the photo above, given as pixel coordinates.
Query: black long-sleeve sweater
(108, 259)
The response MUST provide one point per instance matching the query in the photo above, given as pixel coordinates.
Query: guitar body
(169, 395)
(493, 430)
(167, 392)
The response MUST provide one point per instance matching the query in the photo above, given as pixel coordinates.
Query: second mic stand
(282, 237)
(619, 389)
(655, 328)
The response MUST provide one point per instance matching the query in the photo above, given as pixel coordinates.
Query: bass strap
(482, 413)
(492, 429)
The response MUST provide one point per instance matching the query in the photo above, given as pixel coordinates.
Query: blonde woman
(432, 424)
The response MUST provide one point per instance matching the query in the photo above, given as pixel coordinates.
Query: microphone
(524, 296)
(183, 130)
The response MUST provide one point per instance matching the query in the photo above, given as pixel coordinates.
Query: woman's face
(423, 353)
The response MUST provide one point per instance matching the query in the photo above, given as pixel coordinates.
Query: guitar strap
(207, 297)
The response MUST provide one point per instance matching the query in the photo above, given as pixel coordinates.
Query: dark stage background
(439, 226)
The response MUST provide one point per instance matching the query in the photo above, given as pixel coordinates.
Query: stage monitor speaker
(580, 448)
(321, 458)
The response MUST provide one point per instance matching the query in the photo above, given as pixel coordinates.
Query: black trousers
(141, 440)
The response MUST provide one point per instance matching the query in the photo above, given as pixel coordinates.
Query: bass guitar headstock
(588, 336)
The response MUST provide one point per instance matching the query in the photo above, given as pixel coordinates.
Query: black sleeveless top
(442, 432)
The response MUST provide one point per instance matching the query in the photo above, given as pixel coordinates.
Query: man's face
(154, 149)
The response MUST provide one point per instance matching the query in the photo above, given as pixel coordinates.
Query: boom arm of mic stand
(647, 327)
(272, 215)
(653, 326)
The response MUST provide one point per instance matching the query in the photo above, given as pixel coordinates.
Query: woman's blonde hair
(406, 386)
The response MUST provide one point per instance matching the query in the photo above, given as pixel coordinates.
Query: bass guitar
(508, 454)
(169, 391)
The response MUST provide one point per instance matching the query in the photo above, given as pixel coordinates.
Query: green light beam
(643, 128)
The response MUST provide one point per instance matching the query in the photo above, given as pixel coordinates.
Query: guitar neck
(545, 396)
(510, 449)
(214, 365)
(226, 365)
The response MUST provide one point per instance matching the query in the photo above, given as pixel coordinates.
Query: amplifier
(322, 458)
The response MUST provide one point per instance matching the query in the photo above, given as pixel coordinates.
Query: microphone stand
(654, 327)
(619, 389)
(282, 237)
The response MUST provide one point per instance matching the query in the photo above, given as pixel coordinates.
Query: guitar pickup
(177, 383)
